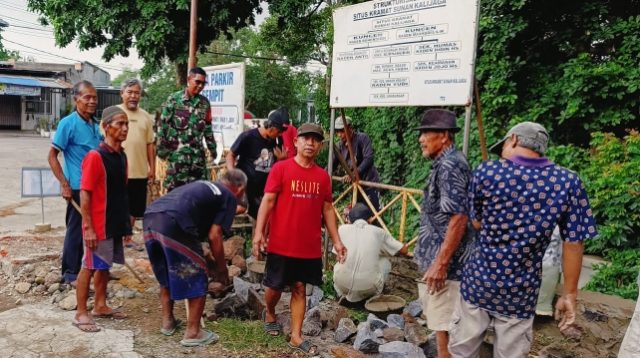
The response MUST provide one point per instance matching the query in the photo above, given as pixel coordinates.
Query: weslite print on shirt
(519, 206)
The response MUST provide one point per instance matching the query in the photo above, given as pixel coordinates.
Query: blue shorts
(176, 257)
(106, 253)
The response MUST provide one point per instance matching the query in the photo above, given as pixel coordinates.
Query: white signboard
(404, 53)
(38, 182)
(225, 91)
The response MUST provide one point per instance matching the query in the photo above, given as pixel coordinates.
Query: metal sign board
(404, 53)
(225, 91)
(39, 182)
(18, 90)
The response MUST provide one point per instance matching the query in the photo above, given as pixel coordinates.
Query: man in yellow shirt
(141, 152)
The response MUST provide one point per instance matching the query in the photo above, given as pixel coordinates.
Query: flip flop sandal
(305, 347)
(274, 329)
(169, 332)
(115, 314)
(209, 337)
(87, 327)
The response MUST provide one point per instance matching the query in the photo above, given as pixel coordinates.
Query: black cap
(277, 120)
(438, 119)
(359, 211)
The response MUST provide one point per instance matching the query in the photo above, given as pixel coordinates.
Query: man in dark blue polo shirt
(174, 228)
(77, 134)
(516, 202)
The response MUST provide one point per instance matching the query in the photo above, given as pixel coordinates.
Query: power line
(13, 31)
(11, 6)
(30, 28)
(66, 58)
(23, 22)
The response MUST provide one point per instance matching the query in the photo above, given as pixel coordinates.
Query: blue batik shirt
(444, 196)
(519, 202)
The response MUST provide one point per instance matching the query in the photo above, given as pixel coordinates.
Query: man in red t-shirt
(297, 198)
(105, 217)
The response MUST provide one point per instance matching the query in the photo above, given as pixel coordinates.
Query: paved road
(18, 214)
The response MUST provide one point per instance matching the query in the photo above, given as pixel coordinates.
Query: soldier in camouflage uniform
(185, 121)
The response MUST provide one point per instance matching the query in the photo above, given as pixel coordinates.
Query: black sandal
(305, 347)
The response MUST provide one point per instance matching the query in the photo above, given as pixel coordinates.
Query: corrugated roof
(31, 81)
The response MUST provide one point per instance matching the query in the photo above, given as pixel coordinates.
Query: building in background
(36, 95)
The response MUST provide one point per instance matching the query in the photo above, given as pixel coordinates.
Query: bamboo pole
(403, 216)
(379, 213)
(366, 198)
(344, 193)
(483, 143)
(415, 203)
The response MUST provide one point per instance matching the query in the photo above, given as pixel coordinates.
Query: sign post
(225, 92)
(39, 182)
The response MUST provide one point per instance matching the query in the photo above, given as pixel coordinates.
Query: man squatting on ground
(105, 217)
(77, 134)
(516, 202)
(445, 238)
(175, 226)
(297, 199)
(141, 152)
(365, 270)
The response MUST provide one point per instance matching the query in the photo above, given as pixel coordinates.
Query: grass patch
(245, 335)
(358, 315)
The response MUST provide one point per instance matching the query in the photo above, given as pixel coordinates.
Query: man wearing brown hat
(516, 202)
(297, 199)
(105, 217)
(444, 236)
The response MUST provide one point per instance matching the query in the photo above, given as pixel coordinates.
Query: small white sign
(404, 53)
(38, 182)
(225, 91)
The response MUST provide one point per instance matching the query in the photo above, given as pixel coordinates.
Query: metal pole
(467, 129)
(332, 130)
(41, 197)
(193, 30)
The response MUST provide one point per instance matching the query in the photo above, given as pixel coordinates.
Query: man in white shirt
(366, 268)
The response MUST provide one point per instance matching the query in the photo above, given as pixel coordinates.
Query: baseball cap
(277, 120)
(110, 112)
(530, 135)
(339, 123)
(311, 128)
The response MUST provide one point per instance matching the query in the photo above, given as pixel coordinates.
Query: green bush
(612, 179)
(618, 277)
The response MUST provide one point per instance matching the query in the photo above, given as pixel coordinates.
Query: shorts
(176, 257)
(469, 323)
(106, 253)
(282, 271)
(137, 189)
(439, 306)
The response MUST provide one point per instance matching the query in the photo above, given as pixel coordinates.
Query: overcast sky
(31, 39)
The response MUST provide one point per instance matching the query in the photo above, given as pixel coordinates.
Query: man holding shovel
(105, 217)
(77, 134)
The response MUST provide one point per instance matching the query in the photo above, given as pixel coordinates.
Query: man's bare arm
(56, 168)
(436, 275)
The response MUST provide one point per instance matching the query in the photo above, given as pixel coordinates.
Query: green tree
(159, 30)
(158, 87)
(126, 74)
(6, 54)
(270, 82)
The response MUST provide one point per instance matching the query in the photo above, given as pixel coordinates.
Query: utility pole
(193, 30)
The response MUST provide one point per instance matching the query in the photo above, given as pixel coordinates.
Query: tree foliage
(157, 29)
